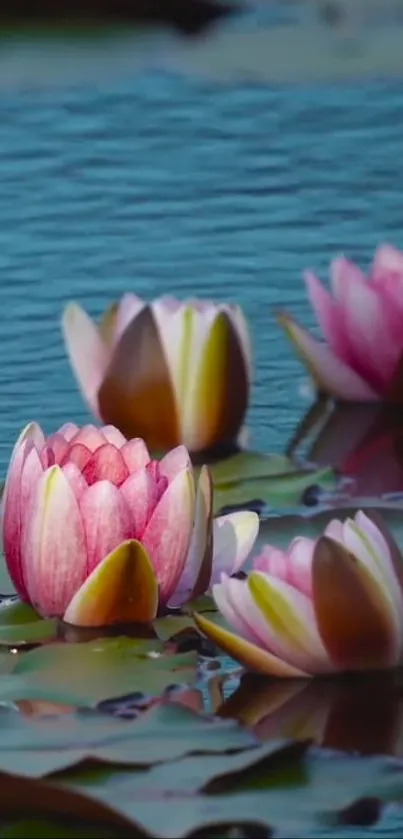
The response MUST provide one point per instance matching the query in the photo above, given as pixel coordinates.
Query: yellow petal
(248, 654)
(136, 394)
(354, 618)
(121, 589)
(107, 323)
(216, 409)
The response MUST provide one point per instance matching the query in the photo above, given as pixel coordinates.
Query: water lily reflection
(362, 714)
(363, 442)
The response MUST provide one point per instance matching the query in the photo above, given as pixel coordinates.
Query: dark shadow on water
(189, 17)
(362, 713)
(360, 441)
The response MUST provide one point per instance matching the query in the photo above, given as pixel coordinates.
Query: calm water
(161, 183)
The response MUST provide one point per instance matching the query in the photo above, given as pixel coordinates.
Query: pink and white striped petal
(106, 464)
(168, 533)
(135, 454)
(330, 375)
(106, 520)
(30, 438)
(141, 494)
(54, 567)
(174, 461)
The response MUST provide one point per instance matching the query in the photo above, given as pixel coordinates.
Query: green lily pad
(275, 491)
(6, 586)
(273, 479)
(167, 731)
(21, 625)
(280, 786)
(90, 672)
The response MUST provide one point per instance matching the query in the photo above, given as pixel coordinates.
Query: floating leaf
(287, 792)
(6, 586)
(277, 491)
(65, 805)
(20, 625)
(87, 673)
(165, 732)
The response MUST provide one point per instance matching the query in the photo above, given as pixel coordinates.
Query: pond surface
(164, 183)
(158, 182)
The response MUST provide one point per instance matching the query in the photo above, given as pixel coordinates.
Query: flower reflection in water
(362, 442)
(362, 714)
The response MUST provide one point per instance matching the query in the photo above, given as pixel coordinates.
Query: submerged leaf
(87, 673)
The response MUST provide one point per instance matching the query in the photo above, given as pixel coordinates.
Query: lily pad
(90, 672)
(20, 625)
(289, 791)
(166, 732)
(273, 479)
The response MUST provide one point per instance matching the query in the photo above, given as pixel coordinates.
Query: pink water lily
(96, 532)
(325, 605)
(361, 322)
(171, 372)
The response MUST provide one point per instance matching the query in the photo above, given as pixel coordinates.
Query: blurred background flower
(361, 322)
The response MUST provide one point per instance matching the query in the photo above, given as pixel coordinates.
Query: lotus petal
(249, 655)
(387, 260)
(87, 352)
(174, 461)
(121, 589)
(233, 538)
(330, 375)
(114, 436)
(291, 630)
(129, 307)
(215, 409)
(330, 316)
(354, 618)
(196, 574)
(141, 494)
(54, 567)
(136, 394)
(68, 430)
(107, 521)
(167, 535)
(368, 321)
(11, 517)
(89, 436)
(135, 454)
(106, 464)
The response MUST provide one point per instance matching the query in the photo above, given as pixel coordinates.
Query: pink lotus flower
(362, 327)
(322, 606)
(169, 372)
(98, 533)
